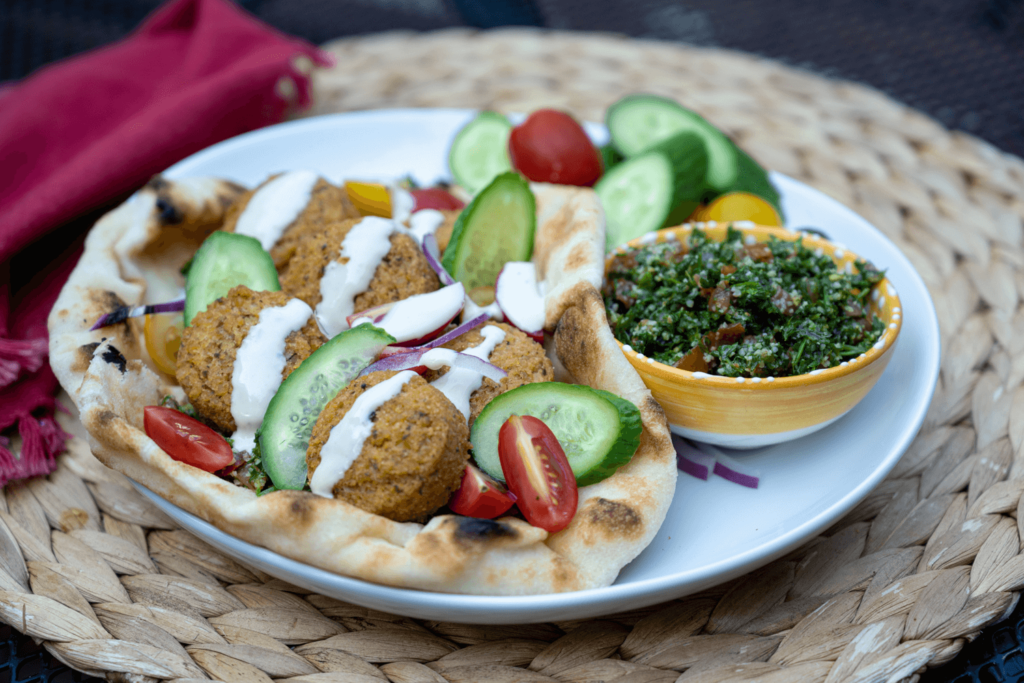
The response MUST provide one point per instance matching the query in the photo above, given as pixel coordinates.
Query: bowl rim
(893, 324)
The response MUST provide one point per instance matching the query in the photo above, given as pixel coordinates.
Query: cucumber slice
(610, 156)
(649, 191)
(637, 122)
(480, 151)
(283, 437)
(496, 227)
(598, 431)
(753, 178)
(224, 261)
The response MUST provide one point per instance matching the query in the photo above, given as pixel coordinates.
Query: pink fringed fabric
(81, 133)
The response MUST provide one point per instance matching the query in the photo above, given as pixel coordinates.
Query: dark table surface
(962, 62)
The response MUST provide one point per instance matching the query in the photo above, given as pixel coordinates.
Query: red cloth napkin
(81, 133)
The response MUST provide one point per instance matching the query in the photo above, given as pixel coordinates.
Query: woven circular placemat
(932, 556)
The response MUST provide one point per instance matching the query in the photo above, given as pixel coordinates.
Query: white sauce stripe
(365, 246)
(259, 363)
(424, 222)
(421, 314)
(519, 295)
(345, 442)
(402, 202)
(275, 206)
(458, 384)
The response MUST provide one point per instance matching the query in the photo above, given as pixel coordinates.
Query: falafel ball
(413, 459)
(522, 358)
(206, 358)
(402, 273)
(327, 204)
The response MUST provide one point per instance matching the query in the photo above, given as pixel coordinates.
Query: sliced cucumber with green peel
(224, 261)
(610, 156)
(496, 227)
(598, 431)
(480, 151)
(649, 191)
(638, 122)
(753, 178)
(283, 437)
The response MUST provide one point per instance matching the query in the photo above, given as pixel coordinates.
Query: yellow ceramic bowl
(742, 412)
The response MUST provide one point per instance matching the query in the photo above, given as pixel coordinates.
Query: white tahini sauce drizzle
(259, 363)
(424, 222)
(275, 206)
(458, 384)
(421, 314)
(365, 246)
(473, 310)
(345, 442)
(402, 202)
(521, 296)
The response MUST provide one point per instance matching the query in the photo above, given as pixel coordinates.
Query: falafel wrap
(134, 255)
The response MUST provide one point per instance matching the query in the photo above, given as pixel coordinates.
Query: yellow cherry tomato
(163, 337)
(739, 206)
(482, 296)
(371, 199)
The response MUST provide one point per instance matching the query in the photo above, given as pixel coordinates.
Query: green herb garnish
(740, 309)
(169, 401)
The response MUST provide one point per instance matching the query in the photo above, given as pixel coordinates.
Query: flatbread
(133, 255)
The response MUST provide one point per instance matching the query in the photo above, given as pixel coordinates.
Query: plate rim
(487, 609)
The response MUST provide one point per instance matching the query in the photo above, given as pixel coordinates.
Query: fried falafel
(210, 344)
(403, 272)
(327, 204)
(412, 460)
(522, 358)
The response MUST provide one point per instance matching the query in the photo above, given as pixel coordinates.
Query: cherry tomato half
(537, 472)
(480, 496)
(186, 439)
(435, 198)
(162, 332)
(551, 147)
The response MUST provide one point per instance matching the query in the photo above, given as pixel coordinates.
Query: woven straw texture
(926, 561)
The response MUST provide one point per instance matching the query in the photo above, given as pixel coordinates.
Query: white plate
(714, 530)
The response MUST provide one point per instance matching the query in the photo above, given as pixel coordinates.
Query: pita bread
(133, 255)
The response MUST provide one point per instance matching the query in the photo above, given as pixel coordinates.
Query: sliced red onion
(433, 253)
(438, 341)
(706, 460)
(374, 314)
(690, 460)
(434, 343)
(436, 359)
(731, 470)
(518, 295)
(119, 315)
(417, 319)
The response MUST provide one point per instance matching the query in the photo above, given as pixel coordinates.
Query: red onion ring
(414, 359)
(433, 253)
(701, 464)
(119, 315)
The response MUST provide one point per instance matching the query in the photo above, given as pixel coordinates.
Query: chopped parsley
(169, 401)
(741, 309)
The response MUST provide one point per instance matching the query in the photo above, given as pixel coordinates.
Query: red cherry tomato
(186, 439)
(435, 198)
(537, 472)
(480, 496)
(551, 147)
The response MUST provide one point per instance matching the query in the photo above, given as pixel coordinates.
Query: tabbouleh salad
(740, 309)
